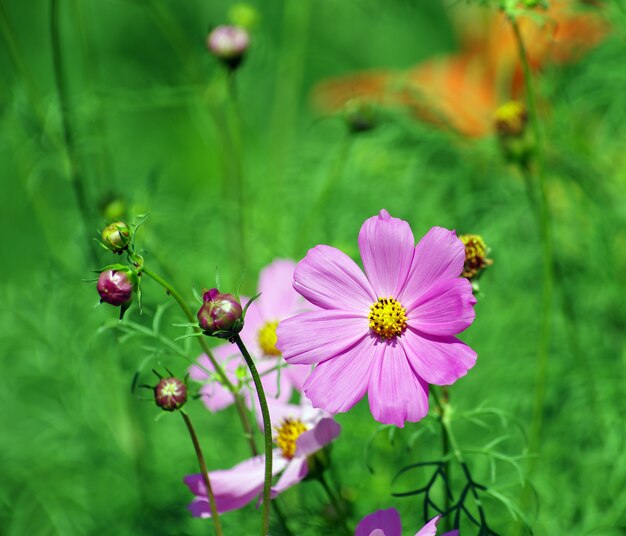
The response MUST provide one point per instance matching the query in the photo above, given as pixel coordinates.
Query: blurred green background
(147, 107)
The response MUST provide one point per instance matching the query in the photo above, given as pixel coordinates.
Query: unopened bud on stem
(229, 44)
(116, 236)
(221, 315)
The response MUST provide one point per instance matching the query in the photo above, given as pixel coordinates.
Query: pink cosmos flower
(387, 523)
(278, 301)
(300, 432)
(388, 332)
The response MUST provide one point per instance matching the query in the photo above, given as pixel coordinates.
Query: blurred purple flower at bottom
(388, 332)
(388, 523)
(301, 432)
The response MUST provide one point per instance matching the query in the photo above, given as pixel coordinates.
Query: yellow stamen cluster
(510, 119)
(267, 339)
(287, 434)
(387, 317)
(475, 255)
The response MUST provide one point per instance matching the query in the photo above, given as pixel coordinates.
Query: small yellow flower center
(287, 434)
(510, 119)
(387, 317)
(267, 338)
(475, 255)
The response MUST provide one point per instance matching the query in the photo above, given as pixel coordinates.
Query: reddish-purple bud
(220, 314)
(116, 236)
(116, 286)
(170, 394)
(229, 44)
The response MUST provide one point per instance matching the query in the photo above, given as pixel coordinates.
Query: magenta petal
(319, 335)
(322, 434)
(278, 298)
(437, 360)
(386, 245)
(451, 533)
(396, 394)
(430, 529)
(438, 255)
(446, 308)
(339, 383)
(279, 411)
(216, 397)
(296, 470)
(330, 279)
(386, 521)
(200, 508)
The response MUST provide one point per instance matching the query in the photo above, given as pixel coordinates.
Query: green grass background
(82, 455)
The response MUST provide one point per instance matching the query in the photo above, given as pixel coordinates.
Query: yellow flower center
(267, 338)
(287, 434)
(387, 317)
(475, 255)
(510, 119)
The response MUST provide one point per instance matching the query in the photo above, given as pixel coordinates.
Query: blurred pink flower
(388, 332)
(300, 432)
(387, 523)
(278, 301)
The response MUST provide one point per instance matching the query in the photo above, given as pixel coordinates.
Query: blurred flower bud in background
(229, 44)
(244, 16)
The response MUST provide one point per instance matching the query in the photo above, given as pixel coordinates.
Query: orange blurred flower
(461, 91)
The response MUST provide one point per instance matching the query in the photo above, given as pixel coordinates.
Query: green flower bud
(117, 236)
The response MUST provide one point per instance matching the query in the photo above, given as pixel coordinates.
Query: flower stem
(547, 250)
(267, 432)
(75, 176)
(205, 474)
(241, 410)
(543, 216)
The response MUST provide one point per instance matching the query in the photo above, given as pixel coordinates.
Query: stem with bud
(267, 432)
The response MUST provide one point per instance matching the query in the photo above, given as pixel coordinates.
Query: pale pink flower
(278, 301)
(300, 431)
(388, 332)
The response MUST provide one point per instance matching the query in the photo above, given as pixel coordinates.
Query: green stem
(334, 501)
(76, 179)
(547, 250)
(543, 215)
(241, 410)
(267, 432)
(445, 440)
(237, 183)
(205, 474)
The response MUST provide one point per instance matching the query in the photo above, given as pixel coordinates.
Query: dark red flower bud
(220, 314)
(170, 394)
(116, 286)
(229, 44)
(116, 236)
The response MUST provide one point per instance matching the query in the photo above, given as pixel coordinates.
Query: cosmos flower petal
(279, 411)
(430, 529)
(330, 279)
(297, 375)
(396, 394)
(446, 308)
(318, 437)
(438, 255)
(295, 472)
(440, 360)
(386, 521)
(234, 488)
(386, 245)
(339, 383)
(331, 331)
(278, 298)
